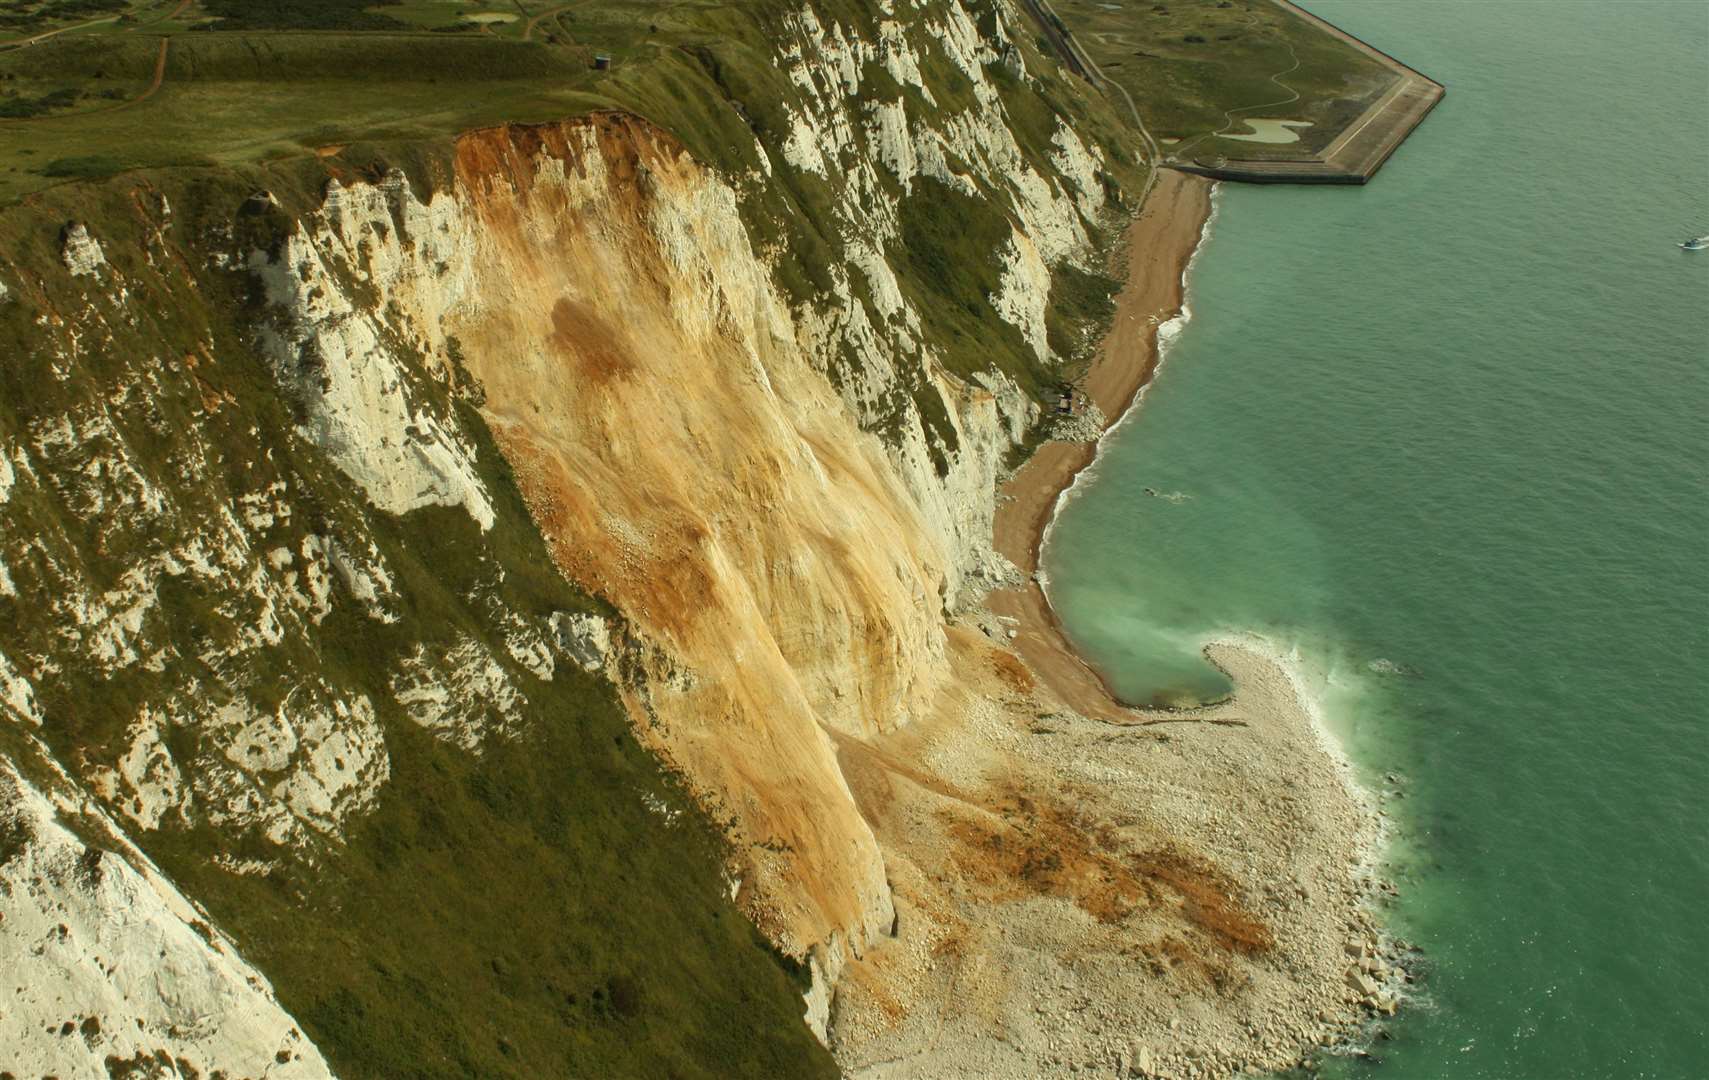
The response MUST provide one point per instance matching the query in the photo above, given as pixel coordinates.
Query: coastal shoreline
(1158, 250)
(1348, 970)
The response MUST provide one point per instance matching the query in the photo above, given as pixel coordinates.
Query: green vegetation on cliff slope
(550, 906)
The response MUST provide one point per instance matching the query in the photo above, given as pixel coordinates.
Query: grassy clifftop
(1187, 61)
(244, 86)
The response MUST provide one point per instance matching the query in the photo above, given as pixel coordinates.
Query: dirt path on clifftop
(1158, 247)
(153, 87)
(528, 28)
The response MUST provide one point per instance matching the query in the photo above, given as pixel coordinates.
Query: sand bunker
(1271, 131)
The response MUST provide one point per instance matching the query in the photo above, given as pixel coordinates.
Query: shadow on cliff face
(592, 345)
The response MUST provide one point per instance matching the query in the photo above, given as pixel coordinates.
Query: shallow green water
(1447, 436)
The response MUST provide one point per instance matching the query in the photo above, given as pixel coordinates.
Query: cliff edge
(512, 567)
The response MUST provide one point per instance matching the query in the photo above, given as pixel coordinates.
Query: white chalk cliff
(782, 497)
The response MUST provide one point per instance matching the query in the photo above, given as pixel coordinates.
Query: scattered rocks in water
(1359, 982)
(1168, 496)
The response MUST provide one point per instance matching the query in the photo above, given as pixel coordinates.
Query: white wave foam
(1310, 683)
(1381, 842)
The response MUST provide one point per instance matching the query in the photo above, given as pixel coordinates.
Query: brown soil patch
(1012, 671)
(580, 334)
(1014, 860)
(1206, 899)
(1038, 846)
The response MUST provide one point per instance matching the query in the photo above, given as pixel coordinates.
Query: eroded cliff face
(783, 500)
(688, 461)
(688, 458)
(310, 504)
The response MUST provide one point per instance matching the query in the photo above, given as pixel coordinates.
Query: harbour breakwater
(1362, 147)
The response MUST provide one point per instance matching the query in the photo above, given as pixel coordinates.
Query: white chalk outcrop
(461, 693)
(354, 383)
(107, 962)
(781, 546)
(585, 639)
(81, 252)
(1025, 292)
(17, 695)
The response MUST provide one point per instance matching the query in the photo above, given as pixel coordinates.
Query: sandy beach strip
(1157, 249)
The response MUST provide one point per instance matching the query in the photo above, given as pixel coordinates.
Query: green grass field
(246, 83)
(250, 82)
(1187, 61)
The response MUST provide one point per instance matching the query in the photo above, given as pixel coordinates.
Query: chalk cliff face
(784, 574)
(279, 500)
(897, 116)
(679, 449)
(110, 955)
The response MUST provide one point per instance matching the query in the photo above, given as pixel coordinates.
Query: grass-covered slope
(543, 904)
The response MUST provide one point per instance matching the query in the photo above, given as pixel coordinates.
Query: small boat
(1695, 244)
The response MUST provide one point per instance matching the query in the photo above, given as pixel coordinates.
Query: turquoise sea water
(1447, 436)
